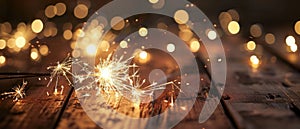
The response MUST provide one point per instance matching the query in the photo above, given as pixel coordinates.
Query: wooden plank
(75, 117)
(36, 110)
(257, 97)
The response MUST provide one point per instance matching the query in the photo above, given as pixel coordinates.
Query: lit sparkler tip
(61, 69)
(17, 93)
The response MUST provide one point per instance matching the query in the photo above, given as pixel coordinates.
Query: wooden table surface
(262, 99)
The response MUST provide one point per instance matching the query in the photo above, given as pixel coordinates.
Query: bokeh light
(251, 45)
(81, 11)
(195, 46)
(20, 42)
(181, 17)
(254, 60)
(256, 30)
(6, 27)
(171, 47)
(153, 1)
(37, 26)
(68, 34)
(61, 9)
(294, 48)
(2, 60)
(270, 38)
(143, 55)
(50, 11)
(212, 35)
(11, 43)
(123, 44)
(104, 45)
(2, 43)
(224, 19)
(234, 14)
(143, 31)
(91, 50)
(186, 34)
(44, 50)
(297, 27)
(290, 40)
(117, 23)
(34, 55)
(234, 27)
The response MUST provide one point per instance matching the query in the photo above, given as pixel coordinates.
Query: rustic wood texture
(258, 98)
(37, 110)
(268, 97)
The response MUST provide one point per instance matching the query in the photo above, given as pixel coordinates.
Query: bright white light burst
(112, 73)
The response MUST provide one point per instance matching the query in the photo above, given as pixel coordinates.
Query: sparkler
(18, 93)
(61, 69)
(138, 91)
(112, 73)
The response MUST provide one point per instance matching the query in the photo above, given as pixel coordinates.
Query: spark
(112, 73)
(17, 93)
(61, 69)
(138, 90)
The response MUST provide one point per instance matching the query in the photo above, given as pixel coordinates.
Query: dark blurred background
(267, 12)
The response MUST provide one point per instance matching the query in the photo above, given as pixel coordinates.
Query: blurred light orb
(44, 50)
(104, 45)
(61, 9)
(117, 23)
(91, 49)
(270, 38)
(11, 43)
(290, 40)
(256, 30)
(212, 35)
(68, 34)
(233, 27)
(6, 27)
(81, 11)
(143, 31)
(234, 14)
(195, 46)
(254, 61)
(171, 47)
(2, 59)
(2, 43)
(297, 27)
(181, 17)
(153, 1)
(50, 11)
(251, 45)
(294, 48)
(186, 34)
(37, 26)
(143, 55)
(159, 4)
(75, 53)
(123, 44)
(34, 54)
(20, 42)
